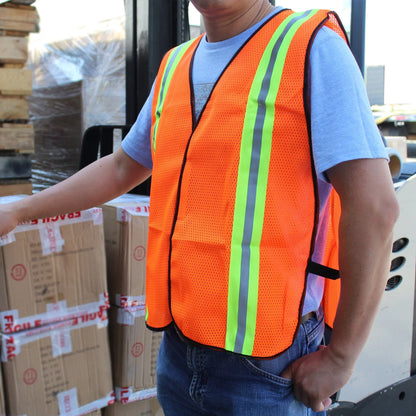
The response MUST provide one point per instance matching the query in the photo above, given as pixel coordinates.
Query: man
(239, 209)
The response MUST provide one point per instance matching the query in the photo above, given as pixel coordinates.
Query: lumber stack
(17, 19)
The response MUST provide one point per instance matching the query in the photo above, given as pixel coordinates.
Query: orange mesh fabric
(193, 201)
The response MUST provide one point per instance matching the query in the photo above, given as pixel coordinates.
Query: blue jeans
(194, 380)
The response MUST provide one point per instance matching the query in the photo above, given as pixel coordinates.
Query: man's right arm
(97, 183)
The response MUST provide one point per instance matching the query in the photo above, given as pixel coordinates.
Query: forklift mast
(152, 28)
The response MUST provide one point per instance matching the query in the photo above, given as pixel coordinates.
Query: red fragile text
(70, 216)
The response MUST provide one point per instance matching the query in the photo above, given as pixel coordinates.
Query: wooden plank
(15, 81)
(19, 137)
(13, 49)
(13, 108)
(19, 17)
(15, 187)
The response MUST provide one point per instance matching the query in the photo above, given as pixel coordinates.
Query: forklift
(384, 379)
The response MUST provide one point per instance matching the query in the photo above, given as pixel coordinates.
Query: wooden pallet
(15, 81)
(13, 50)
(13, 109)
(18, 19)
(15, 187)
(17, 137)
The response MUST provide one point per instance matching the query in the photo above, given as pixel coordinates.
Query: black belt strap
(321, 270)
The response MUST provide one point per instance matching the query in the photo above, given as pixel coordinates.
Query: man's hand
(8, 218)
(316, 377)
(369, 211)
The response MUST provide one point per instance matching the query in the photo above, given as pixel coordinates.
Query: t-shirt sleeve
(137, 141)
(342, 124)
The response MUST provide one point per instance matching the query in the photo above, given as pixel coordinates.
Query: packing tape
(124, 301)
(12, 343)
(68, 403)
(94, 214)
(126, 394)
(10, 321)
(124, 214)
(126, 316)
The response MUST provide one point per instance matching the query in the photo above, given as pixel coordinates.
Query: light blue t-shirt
(342, 124)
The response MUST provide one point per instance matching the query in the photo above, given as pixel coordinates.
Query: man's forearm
(97, 183)
(365, 248)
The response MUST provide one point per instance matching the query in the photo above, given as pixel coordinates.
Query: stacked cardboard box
(147, 407)
(58, 369)
(2, 406)
(16, 133)
(53, 316)
(134, 348)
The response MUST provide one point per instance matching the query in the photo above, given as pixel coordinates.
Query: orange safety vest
(234, 204)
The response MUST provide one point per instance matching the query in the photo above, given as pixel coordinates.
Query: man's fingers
(287, 373)
(327, 402)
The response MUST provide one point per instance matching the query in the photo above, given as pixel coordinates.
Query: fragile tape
(58, 332)
(127, 316)
(124, 301)
(68, 403)
(45, 225)
(127, 395)
(51, 239)
(10, 321)
(125, 213)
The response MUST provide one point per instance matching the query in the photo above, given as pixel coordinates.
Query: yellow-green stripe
(251, 189)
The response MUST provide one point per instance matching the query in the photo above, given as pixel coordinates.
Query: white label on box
(68, 402)
(89, 407)
(61, 342)
(50, 236)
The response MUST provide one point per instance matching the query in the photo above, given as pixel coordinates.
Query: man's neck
(226, 26)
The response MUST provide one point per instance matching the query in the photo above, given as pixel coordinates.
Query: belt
(307, 316)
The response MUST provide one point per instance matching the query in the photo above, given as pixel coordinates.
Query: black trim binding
(307, 110)
(321, 270)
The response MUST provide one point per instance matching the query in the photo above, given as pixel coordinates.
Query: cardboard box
(51, 270)
(125, 228)
(147, 407)
(134, 351)
(59, 369)
(2, 406)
